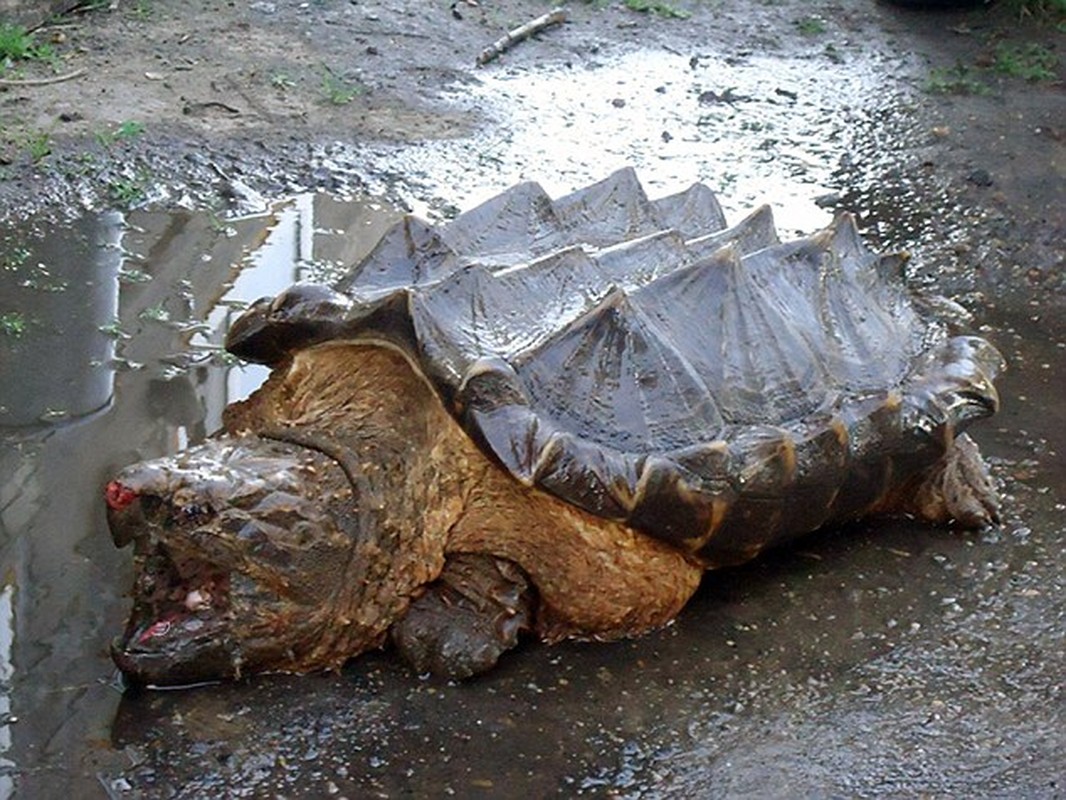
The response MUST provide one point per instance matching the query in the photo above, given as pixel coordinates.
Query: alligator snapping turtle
(548, 416)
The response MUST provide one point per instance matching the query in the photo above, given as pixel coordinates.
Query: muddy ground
(212, 152)
(225, 104)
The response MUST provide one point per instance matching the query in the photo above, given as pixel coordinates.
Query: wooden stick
(505, 43)
(14, 82)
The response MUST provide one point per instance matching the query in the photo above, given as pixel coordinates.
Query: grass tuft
(959, 79)
(337, 90)
(658, 8)
(1031, 62)
(13, 324)
(810, 26)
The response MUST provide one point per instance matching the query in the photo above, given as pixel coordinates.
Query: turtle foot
(467, 618)
(958, 489)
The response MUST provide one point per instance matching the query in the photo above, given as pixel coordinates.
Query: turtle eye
(192, 512)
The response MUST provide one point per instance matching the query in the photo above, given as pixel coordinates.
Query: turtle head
(272, 327)
(240, 562)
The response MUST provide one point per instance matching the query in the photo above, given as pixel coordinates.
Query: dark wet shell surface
(645, 362)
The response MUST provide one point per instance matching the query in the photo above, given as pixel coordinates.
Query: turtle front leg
(958, 488)
(467, 618)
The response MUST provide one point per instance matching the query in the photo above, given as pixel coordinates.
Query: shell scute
(411, 253)
(611, 374)
(506, 228)
(753, 233)
(822, 450)
(672, 500)
(610, 211)
(597, 479)
(752, 524)
(692, 213)
(764, 460)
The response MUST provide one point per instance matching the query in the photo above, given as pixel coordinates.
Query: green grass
(16, 44)
(810, 26)
(959, 79)
(133, 275)
(658, 8)
(125, 130)
(142, 10)
(281, 81)
(338, 91)
(1031, 62)
(13, 324)
(39, 145)
(125, 192)
(114, 330)
(156, 313)
(15, 259)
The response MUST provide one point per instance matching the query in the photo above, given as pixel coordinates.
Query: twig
(41, 81)
(505, 43)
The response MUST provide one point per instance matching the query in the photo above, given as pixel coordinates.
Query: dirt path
(220, 104)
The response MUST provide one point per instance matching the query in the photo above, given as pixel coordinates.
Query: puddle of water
(756, 129)
(948, 647)
(116, 359)
(938, 640)
(937, 666)
(60, 294)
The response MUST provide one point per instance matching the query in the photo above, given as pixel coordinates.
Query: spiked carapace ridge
(645, 362)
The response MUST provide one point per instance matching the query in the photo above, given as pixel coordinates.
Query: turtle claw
(466, 619)
(958, 488)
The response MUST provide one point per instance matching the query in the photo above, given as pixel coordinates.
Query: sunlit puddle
(756, 129)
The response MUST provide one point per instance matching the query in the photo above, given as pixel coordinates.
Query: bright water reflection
(7, 671)
(756, 129)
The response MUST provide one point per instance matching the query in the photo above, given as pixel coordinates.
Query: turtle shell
(644, 361)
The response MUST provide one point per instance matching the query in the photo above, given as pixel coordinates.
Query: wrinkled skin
(238, 535)
(466, 618)
(276, 547)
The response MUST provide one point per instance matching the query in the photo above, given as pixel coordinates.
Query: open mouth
(177, 630)
(175, 595)
(220, 541)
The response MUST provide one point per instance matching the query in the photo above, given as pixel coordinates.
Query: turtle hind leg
(467, 618)
(958, 488)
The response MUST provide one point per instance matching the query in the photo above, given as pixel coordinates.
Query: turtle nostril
(118, 496)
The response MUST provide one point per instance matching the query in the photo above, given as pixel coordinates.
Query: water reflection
(311, 237)
(7, 671)
(128, 350)
(60, 294)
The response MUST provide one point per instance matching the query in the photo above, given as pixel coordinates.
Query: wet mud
(887, 659)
